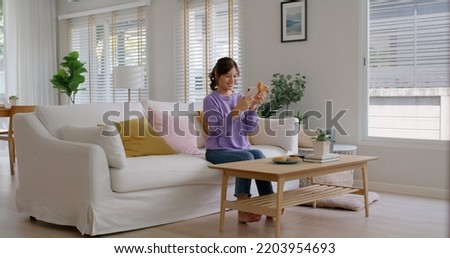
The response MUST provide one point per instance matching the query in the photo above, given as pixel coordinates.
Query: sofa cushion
(172, 170)
(203, 122)
(305, 138)
(354, 202)
(140, 139)
(111, 143)
(176, 124)
(270, 150)
(163, 171)
(277, 132)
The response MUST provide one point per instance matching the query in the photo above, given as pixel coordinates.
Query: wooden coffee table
(272, 204)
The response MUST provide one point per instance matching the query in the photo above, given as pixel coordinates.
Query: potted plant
(285, 90)
(322, 142)
(69, 76)
(300, 117)
(268, 108)
(13, 100)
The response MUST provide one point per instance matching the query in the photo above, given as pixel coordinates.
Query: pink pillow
(176, 131)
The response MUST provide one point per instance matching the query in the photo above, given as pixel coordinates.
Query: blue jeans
(242, 184)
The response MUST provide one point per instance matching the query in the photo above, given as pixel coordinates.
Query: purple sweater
(224, 131)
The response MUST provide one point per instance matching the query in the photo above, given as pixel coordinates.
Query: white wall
(331, 61)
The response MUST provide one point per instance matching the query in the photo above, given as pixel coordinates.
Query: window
(206, 31)
(408, 69)
(106, 40)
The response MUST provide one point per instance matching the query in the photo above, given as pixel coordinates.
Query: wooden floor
(393, 216)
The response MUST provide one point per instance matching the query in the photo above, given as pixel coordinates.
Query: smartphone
(252, 91)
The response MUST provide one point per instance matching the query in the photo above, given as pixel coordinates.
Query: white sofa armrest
(278, 132)
(55, 175)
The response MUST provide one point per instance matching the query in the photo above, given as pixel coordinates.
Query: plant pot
(13, 102)
(321, 148)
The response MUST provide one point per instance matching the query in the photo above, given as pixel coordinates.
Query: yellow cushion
(204, 122)
(140, 139)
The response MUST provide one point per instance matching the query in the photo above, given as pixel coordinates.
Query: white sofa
(72, 183)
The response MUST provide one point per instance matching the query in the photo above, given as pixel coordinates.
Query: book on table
(321, 158)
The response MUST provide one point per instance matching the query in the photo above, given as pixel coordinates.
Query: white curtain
(31, 50)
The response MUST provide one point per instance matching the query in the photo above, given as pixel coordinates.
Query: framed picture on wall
(293, 21)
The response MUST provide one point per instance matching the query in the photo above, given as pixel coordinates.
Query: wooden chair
(9, 135)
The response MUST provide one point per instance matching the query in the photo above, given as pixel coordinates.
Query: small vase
(321, 148)
(13, 102)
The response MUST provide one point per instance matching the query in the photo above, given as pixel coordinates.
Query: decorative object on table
(13, 100)
(128, 77)
(300, 117)
(322, 142)
(286, 159)
(293, 21)
(285, 90)
(69, 76)
(321, 158)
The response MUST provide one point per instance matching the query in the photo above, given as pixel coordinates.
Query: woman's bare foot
(244, 217)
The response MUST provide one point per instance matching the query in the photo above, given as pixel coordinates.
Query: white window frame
(363, 104)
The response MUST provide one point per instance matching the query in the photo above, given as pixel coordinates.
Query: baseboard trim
(406, 189)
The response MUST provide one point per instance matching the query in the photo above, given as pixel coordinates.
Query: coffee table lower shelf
(267, 204)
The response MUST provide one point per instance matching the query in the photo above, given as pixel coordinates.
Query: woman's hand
(257, 100)
(251, 103)
(242, 105)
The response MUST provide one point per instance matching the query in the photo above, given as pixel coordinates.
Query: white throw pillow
(112, 145)
(277, 132)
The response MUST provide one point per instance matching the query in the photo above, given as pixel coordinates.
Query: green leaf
(69, 77)
(322, 136)
(287, 89)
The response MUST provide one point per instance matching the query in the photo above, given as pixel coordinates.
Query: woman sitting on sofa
(230, 118)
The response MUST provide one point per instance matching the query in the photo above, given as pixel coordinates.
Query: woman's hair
(223, 66)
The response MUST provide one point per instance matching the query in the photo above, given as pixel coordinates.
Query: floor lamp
(128, 77)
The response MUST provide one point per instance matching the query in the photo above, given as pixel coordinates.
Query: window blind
(206, 31)
(409, 68)
(106, 40)
(409, 44)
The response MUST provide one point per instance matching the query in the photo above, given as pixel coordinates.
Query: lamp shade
(128, 77)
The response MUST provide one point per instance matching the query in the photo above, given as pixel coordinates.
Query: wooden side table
(5, 112)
